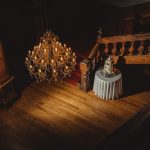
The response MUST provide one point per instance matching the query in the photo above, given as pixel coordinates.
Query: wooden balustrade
(135, 49)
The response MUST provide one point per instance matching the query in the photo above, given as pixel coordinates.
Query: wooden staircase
(125, 49)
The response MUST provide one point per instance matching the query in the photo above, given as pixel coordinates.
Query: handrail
(122, 38)
(93, 51)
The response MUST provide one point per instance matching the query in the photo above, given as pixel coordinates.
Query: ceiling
(124, 3)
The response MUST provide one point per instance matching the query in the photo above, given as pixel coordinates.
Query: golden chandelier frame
(50, 60)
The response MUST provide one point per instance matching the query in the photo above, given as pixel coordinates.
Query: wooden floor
(59, 116)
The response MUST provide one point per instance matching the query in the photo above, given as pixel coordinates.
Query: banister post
(85, 67)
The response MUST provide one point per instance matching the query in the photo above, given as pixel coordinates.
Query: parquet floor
(60, 116)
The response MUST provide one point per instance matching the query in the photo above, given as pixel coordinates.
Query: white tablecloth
(107, 87)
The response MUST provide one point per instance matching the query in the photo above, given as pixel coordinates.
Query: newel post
(85, 67)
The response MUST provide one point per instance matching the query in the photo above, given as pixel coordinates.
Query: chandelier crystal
(50, 59)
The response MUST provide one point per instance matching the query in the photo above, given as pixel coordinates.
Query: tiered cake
(108, 69)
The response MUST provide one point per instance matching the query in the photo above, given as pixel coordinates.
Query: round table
(107, 87)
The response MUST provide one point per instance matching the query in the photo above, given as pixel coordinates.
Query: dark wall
(77, 21)
(135, 19)
(18, 31)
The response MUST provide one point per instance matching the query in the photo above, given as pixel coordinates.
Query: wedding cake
(108, 69)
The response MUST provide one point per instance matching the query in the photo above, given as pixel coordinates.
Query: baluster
(131, 48)
(97, 56)
(93, 63)
(122, 48)
(106, 49)
(114, 49)
(141, 48)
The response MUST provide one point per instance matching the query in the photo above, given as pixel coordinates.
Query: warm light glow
(55, 49)
(31, 66)
(50, 59)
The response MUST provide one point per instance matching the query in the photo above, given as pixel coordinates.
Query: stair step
(76, 75)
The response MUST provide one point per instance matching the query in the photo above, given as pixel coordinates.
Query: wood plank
(60, 116)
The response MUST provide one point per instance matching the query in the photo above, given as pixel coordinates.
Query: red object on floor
(76, 75)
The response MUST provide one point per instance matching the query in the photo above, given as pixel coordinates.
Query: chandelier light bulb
(56, 49)
(31, 66)
(52, 61)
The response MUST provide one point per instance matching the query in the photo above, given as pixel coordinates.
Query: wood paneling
(60, 116)
(2, 63)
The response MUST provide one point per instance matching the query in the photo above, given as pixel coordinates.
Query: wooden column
(85, 67)
(141, 48)
(114, 49)
(122, 48)
(131, 48)
(7, 91)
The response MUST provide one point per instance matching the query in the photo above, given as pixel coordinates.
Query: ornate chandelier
(50, 60)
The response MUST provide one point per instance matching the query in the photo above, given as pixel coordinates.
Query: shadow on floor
(134, 134)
